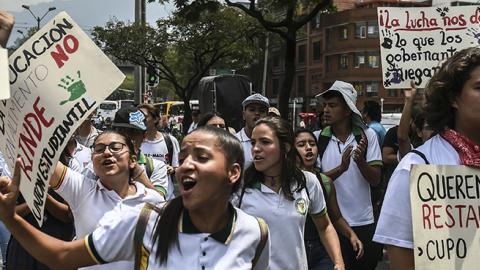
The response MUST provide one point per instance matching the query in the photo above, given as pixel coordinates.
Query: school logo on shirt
(301, 206)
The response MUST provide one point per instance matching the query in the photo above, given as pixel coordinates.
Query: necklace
(271, 179)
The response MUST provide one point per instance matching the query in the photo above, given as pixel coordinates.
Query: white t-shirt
(157, 149)
(247, 147)
(353, 190)
(83, 154)
(232, 248)
(90, 200)
(89, 139)
(395, 223)
(285, 219)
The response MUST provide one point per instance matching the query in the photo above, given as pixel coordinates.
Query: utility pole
(139, 74)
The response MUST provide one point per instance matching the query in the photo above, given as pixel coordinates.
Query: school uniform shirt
(353, 190)
(159, 177)
(89, 201)
(247, 146)
(285, 218)
(395, 223)
(233, 247)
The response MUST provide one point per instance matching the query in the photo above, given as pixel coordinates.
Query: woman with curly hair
(452, 111)
(276, 190)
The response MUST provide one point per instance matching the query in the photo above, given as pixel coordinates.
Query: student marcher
(452, 111)
(195, 118)
(86, 132)
(198, 230)
(159, 145)
(372, 115)
(350, 155)
(279, 192)
(212, 119)
(317, 256)
(130, 122)
(254, 107)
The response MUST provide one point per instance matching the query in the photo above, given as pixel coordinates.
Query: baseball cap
(130, 117)
(349, 94)
(273, 111)
(256, 98)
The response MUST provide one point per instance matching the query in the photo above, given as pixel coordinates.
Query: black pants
(370, 256)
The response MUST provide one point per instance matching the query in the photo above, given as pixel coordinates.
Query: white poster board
(57, 78)
(446, 216)
(4, 85)
(414, 41)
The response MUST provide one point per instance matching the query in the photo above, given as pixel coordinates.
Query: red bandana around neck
(468, 151)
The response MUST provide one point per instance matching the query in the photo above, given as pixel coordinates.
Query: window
(373, 59)
(275, 86)
(392, 92)
(359, 87)
(316, 78)
(359, 60)
(301, 85)
(301, 54)
(361, 30)
(372, 89)
(372, 29)
(315, 23)
(328, 64)
(343, 33)
(276, 59)
(317, 51)
(343, 61)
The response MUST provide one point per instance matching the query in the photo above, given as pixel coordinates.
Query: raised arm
(55, 253)
(404, 144)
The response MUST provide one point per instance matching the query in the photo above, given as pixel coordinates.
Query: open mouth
(257, 158)
(188, 184)
(107, 162)
(309, 155)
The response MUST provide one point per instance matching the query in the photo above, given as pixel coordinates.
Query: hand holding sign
(6, 25)
(9, 189)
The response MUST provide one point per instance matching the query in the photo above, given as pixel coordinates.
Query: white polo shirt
(233, 247)
(247, 147)
(353, 190)
(285, 219)
(90, 200)
(395, 224)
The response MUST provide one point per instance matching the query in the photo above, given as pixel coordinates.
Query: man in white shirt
(195, 118)
(254, 107)
(350, 155)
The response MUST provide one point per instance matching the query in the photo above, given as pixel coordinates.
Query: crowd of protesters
(264, 197)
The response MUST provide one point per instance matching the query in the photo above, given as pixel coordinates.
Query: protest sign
(415, 41)
(57, 78)
(4, 85)
(445, 216)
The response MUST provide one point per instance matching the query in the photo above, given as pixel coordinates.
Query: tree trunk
(187, 115)
(284, 94)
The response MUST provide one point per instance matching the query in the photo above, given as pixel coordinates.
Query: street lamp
(38, 19)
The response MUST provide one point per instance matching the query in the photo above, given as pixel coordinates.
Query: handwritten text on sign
(414, 41)
(57, 78)
(446, 216)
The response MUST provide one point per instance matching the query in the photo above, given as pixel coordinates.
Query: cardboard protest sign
(414, 41)
(4, 85)
(57, 78)
(446, 216)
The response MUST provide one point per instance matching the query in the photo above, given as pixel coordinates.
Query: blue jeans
(317, 256)
(4, 237)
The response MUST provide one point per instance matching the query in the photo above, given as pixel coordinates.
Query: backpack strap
(422, 155)
(263, 240)
(148, 166)
(141, 253)
(169, 143)
(322, 144)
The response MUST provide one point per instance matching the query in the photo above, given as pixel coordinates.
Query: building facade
(340, 46)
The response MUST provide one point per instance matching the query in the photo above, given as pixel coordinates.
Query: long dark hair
(166, 225)
(446, 85)
(128, 142)
(290, 173)
(305, 130)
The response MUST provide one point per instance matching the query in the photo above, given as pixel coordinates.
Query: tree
(282, 17)
(181, 51)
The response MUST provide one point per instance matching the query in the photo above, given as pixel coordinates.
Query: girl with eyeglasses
(200, 229)
(114, 162)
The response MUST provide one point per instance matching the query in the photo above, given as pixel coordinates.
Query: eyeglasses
(114, 147)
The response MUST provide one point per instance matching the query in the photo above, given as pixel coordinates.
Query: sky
(86, 13)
